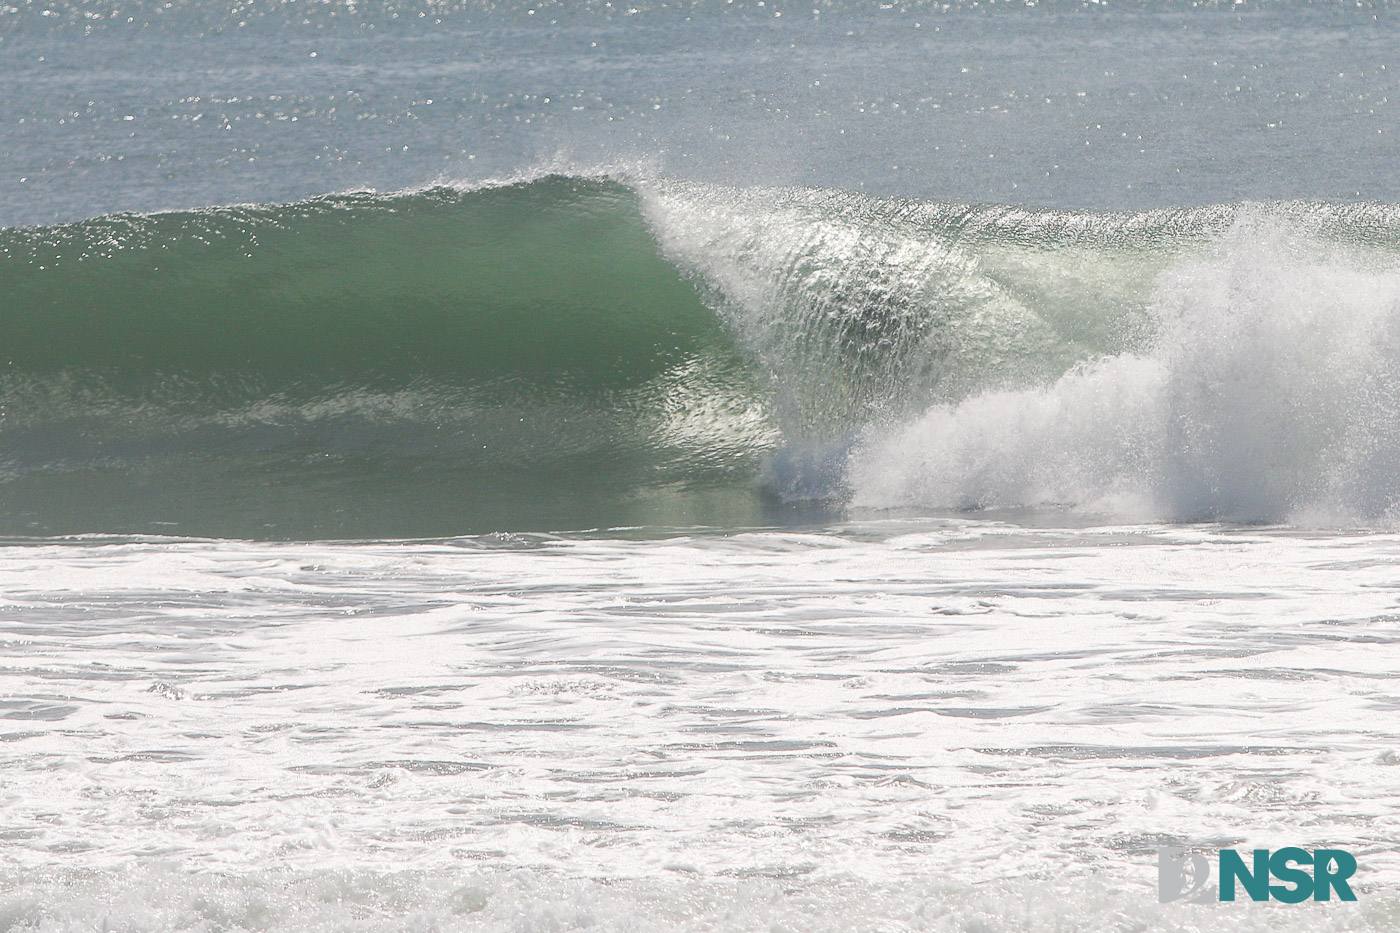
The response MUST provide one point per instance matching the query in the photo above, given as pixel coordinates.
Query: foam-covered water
(948, 725)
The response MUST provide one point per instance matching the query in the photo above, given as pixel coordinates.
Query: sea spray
(1268, 393)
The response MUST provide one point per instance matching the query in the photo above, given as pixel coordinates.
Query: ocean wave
(569, 352)
(417, 363)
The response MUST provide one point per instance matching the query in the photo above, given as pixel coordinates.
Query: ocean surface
(711, 466)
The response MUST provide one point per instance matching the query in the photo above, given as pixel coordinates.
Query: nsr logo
(1185, 876)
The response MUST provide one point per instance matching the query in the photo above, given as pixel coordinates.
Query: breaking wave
(572, 352)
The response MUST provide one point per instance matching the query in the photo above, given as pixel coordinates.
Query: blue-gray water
(145, 105)
(693, 466)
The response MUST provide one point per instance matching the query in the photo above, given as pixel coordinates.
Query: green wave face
(422, 364)
(557, 278)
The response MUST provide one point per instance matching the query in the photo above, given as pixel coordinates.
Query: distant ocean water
(694, 466)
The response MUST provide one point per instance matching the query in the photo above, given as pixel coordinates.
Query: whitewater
(694, 466)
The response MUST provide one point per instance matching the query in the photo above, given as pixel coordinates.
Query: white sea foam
(164, 899)
(946, 725)
(1269, 393)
